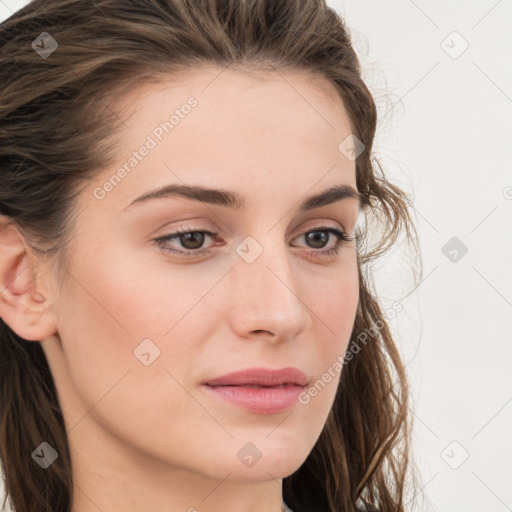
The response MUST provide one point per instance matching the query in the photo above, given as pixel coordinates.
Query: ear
(24, 302)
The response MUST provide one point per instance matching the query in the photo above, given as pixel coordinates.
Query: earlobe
(24, 306)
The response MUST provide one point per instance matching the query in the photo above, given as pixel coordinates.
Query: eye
(192, 240)
(322, 235)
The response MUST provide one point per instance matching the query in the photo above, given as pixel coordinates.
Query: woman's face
(141, 329)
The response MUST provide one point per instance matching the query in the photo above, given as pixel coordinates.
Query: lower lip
(265, 400)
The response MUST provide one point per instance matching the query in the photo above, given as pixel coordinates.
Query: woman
(187, 322)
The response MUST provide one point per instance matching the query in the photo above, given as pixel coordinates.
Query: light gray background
(448, 140)
(444, 136)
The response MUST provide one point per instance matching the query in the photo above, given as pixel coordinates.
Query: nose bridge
(268, 295)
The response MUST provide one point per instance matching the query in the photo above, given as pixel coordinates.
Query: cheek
(336, 306)
(108, 309)
(107, 312)
(333, 315)
(114, 307)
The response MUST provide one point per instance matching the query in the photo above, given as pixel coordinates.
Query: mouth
(259, 390)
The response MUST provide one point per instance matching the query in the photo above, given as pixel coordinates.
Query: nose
(268, 299)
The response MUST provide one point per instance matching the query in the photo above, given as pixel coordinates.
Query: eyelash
(326, 253)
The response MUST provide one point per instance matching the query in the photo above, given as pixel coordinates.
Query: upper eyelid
(317, 224)
(214, 232)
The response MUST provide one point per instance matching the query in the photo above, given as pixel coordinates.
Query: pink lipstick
(260, 390)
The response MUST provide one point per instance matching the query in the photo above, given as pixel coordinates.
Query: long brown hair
(55, 122)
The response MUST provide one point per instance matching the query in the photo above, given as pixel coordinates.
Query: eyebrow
(236, 201)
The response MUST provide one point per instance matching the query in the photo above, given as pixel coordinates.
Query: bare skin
(150, 437)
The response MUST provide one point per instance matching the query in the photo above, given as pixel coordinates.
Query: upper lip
(261, 377)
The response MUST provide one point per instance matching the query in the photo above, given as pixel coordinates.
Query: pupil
(315, 235)
(190, 236)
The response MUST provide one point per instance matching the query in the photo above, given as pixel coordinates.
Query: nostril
(263, 331)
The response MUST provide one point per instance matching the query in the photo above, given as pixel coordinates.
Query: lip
(261, 377)
(260, 390)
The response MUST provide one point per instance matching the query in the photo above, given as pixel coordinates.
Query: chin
(263, 471)
(276, 460)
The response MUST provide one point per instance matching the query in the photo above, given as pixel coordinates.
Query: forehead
(258, 130)
(236, 93)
